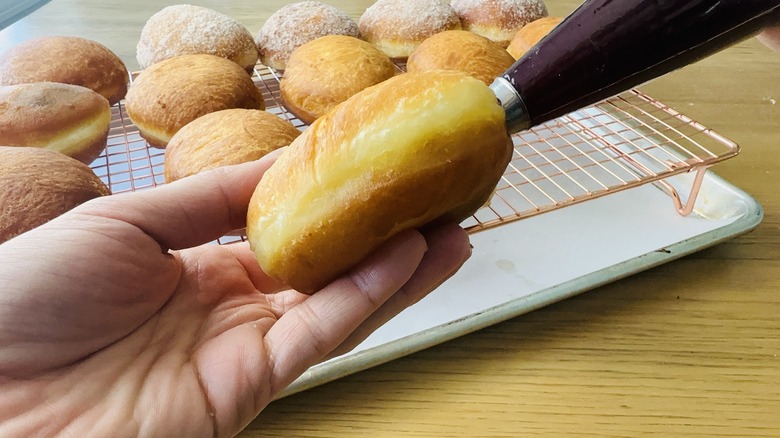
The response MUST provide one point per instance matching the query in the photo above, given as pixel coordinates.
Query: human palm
(105, 331)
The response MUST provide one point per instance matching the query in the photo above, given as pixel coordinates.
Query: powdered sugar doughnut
(498, 20)
(397, 27)
(297, 24)
(192, 30)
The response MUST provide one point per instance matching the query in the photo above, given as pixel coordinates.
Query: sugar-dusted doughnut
(498, 20)
(187, 29)
(397, 27)
(295, 25)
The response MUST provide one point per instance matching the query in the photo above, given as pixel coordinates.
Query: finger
(261, 281)
(190, 211)
(313, 328)
(448, 249)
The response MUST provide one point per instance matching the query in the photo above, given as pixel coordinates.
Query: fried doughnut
(226, 137)
(68, 60)
(65, 118)
(295, 25)
(498, 20)
(174, 92)
(37, 185)
(531, 34)
(397, 27)
(415, 150)
(462, 51)
(328, 71)
(187, 29)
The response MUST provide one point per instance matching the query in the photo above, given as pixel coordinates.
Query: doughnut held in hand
(186, 30)
(417, 149)
(463, 51)
(224, 138)
(37, 185)
(64, 118)
(174, 92)
(328, 71)
(67, 60)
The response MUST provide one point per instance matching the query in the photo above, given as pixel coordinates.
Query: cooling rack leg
(686, 209)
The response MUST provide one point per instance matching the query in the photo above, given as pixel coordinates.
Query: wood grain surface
(686, 349)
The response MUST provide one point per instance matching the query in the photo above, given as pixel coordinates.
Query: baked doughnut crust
(397, 27)
(37, 185)
(68, 60)
(297, 24)
(531, 34)
(329, 70)
(463, 51)
(415, 150)
(174, 92)
(223, 138)
(186, 29)
(498, 20)
(64, 118)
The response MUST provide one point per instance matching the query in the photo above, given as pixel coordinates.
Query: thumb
(190, 211)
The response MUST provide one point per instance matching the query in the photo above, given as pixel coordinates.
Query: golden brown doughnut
(295, 25)
(174, 92)
(417, 149)
(65, 118)
(329, 70)
(69, 60)
(397, 27)
(498, 20)
(462, 51)
(187, 29)
(530, 34)
(226, 137)
(37, 185)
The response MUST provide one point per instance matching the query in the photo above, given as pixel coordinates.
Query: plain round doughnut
(37, 185)
(498, 20)
(531, 34)
(397, 27)
(224, 138)
(463, 51)
(329, 70)
(67, 60)
(297, 24)
(65, 118)
(174, 92)
(187, 30)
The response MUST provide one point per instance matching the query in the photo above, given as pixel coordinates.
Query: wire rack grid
(624, 142)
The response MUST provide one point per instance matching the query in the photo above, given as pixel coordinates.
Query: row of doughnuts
(55, 113)
(173, 88)
(396, 27)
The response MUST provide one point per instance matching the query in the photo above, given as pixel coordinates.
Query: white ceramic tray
(585, 201)
(527, 264)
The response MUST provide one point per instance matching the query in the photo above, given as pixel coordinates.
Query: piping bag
(606, 47)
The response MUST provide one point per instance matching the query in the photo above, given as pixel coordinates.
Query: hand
(114, 323)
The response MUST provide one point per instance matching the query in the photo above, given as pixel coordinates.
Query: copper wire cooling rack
(624, 142)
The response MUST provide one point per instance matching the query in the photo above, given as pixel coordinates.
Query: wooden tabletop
(688, 348)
